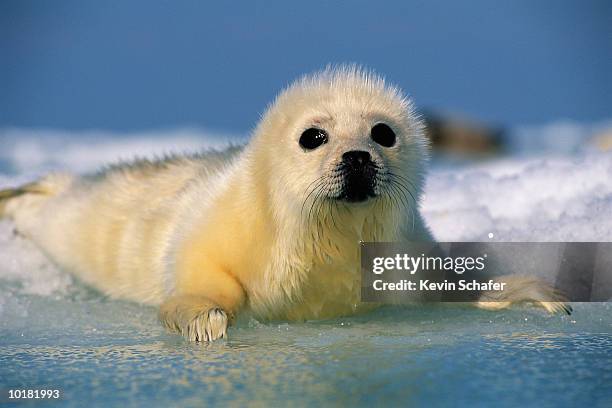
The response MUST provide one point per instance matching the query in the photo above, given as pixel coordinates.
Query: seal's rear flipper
(8, 195)
(13, 199)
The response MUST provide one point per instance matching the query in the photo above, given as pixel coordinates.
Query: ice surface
(56, 332)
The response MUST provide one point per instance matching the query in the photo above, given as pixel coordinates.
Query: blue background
(133, 65)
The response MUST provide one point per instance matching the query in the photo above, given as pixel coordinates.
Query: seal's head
(345, 137)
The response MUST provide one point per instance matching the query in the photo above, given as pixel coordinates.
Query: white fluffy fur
(247, 229)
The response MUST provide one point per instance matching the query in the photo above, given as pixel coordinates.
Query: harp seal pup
(271, 228)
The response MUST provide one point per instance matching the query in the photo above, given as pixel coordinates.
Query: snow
(523, 199)
(35, 151)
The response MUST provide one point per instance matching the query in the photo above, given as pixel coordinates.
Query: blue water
(101, 352)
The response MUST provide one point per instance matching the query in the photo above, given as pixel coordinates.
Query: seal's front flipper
(196, 318)
(524, 289)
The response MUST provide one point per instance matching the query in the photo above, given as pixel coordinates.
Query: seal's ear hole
(313, 138)
(383, 135)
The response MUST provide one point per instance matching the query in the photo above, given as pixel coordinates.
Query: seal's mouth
(359, 177)
(357, 189)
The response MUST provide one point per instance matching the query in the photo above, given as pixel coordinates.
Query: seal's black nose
(356, 159)
(359, 176)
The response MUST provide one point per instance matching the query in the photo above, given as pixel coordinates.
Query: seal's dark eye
(313, 138)
(383, 135)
